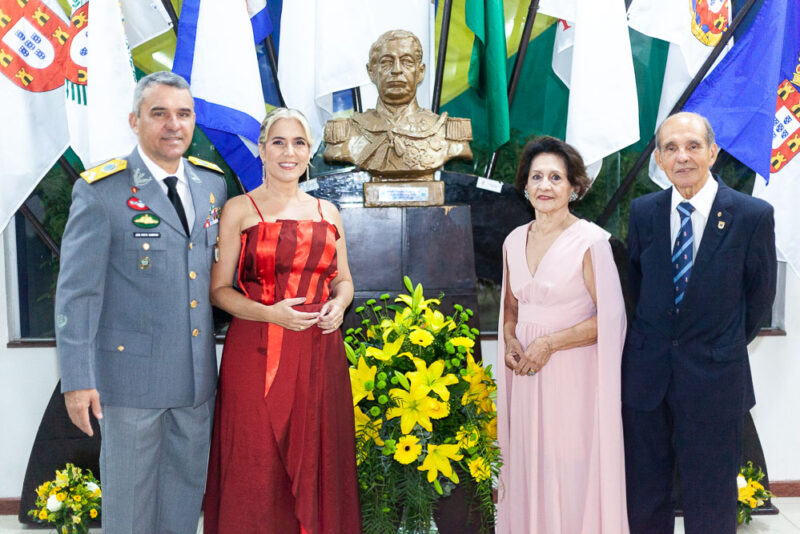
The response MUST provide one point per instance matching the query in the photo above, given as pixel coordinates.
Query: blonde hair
(284, 113)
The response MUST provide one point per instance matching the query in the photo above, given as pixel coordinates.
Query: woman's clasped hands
(530, 360)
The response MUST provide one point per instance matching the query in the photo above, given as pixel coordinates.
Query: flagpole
(441, 55)
(172, 15)
(72, 174)
(269, 44)
(644, 157)
(533, 8)
(39, 230)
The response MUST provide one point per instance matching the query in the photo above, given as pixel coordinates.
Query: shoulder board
(205, 164)
(459, 129)
(95, 174)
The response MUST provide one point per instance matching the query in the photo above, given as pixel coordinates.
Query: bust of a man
(398, 140)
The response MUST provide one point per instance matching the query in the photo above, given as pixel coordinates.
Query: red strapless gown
(283, 447)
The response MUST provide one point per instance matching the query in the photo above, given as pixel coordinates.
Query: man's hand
(78, 403)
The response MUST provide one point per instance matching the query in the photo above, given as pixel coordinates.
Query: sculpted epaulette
(337, 131)
(205, 164)
(458, 129)
(95, 174)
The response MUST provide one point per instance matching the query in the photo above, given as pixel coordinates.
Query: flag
(324, 49)
(692, 35)
(487, 68)
(752, 101)
(216, 54)
(100, 83)
(603, 112)
(35, 46)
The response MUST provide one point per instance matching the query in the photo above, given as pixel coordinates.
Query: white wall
(28, 376)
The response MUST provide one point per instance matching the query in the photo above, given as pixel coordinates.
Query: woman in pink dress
(562, 327)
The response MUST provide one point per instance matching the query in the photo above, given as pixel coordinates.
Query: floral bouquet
(424, 411)
(69, 502)
(751, 493)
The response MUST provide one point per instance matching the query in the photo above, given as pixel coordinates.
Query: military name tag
(403, 194)
(146, 235)
(146, 220)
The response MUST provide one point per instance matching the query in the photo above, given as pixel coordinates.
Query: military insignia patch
(786, 129)
(95, 174)
(146, 220)
(140, 178)
(144, 262)
(206, 164)
(213, 217)
(136, 204)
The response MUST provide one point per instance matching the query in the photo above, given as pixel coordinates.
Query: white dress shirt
(182, 186)
(701, 201)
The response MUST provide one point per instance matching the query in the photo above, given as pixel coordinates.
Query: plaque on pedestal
(412, 194)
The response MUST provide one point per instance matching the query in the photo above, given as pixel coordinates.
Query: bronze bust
(398, 140)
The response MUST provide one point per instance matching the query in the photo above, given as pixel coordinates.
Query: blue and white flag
(217, 56)
(752, 100)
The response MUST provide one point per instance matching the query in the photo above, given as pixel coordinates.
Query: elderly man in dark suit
(702, 274)
(134, 328)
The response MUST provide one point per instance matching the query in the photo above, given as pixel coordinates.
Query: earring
(573, 196)
(527, 195)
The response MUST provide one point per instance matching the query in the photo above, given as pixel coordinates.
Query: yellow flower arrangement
(425, 416)
(752, 493)
(66, 501)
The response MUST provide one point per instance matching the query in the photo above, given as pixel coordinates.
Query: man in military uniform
(398, 140)
(134, 329)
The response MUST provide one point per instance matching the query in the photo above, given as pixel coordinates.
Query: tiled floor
(787, 522)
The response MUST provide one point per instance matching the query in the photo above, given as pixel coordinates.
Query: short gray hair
(163, 77)
(710, 140)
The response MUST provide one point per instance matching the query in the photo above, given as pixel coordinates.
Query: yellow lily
(388, 351)
(479, 468)
(362, 381)
(467, 437)
(462, 341)
(435, 320)
(413, 407)
(366, 428)
(420, 336)
(438, 460)
(431, 378)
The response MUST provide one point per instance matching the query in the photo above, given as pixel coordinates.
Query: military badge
(144, 262)
(211, 198)
(136, 204)
(146, 220)
(213, 217)
(140, 178)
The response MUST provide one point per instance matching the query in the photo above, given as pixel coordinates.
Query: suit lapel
(149, 191)
(717, 225)
(200, 197)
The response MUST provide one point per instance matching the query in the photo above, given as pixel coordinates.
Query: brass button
(146, 246)
(193, 304)
(192, 275)
(195, 332)
(191, 245)
(120, 348)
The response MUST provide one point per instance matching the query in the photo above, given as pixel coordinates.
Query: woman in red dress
(283, 449)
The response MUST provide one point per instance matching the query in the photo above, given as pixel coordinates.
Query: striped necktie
(682, 252)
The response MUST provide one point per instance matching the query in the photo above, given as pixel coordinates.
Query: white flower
(92, 487)
(53, 504)
(741, 482)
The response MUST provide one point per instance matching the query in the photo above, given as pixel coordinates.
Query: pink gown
(560, 431)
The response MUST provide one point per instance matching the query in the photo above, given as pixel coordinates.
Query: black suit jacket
(702, 349)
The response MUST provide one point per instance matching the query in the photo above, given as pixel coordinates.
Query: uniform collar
(157, 172)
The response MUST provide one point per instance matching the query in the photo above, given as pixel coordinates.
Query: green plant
(69, 502)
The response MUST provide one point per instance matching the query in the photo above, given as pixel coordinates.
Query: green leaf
(437, 486)
(408, 284)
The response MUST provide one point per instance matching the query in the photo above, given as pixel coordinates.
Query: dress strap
(254, 205)
(319, 207)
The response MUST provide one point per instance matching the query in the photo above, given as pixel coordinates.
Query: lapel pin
(721, 225)
(144, 263)
(211, 198)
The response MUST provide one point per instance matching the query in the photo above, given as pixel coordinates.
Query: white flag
(34, 132)
(692, 34)
(603, 112)
(98, 105)
(324, 48)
